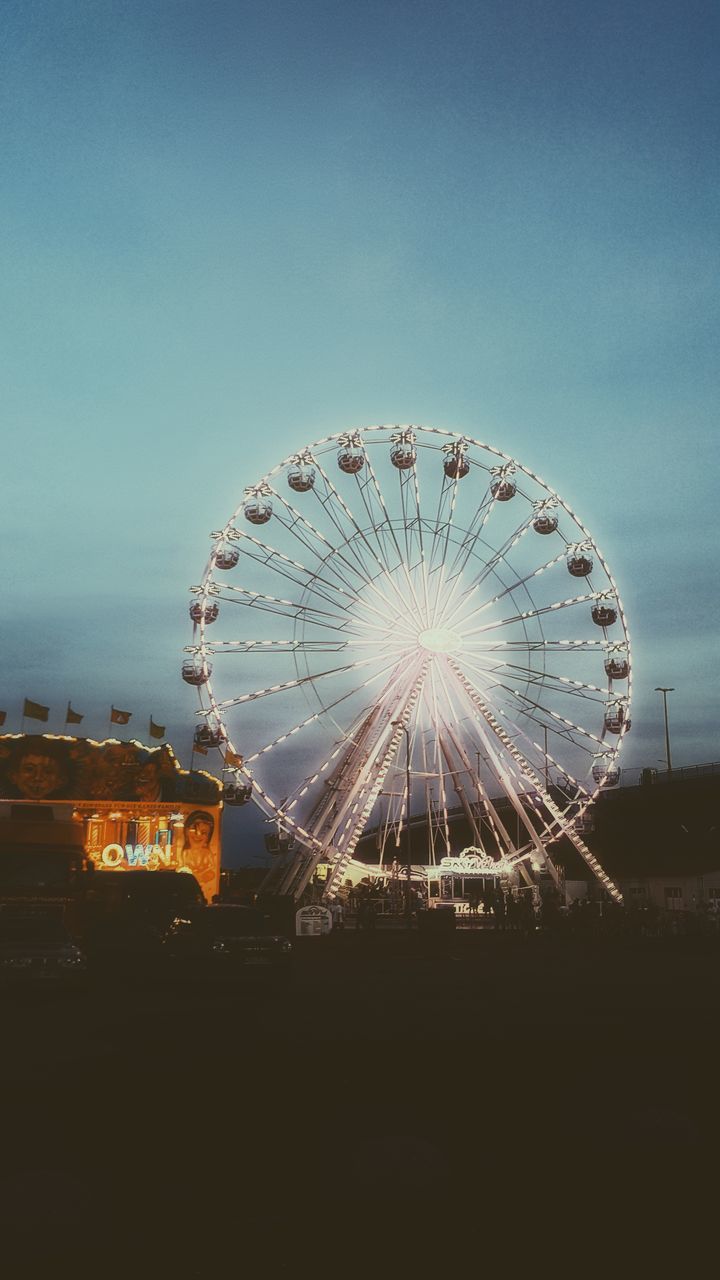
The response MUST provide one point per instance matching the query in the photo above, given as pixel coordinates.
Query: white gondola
(617, 668)
(196, 672)
(580, 565)
(351, 459)
(545, 522)
(456, 465)
(603, 615)
(301, 477)
(503, 490)
(403, 455)
(604, 774)
(237, 793)
(226, 557)
(257, 509)
(206, 613)
(615, 718)
(205, 736)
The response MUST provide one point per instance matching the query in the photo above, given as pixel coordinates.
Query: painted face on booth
(147, 784)
(37, 776)
(198, 835)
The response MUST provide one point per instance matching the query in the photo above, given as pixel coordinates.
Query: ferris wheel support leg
(565, 825)
(460, 791)
(359, 817)
(508, 787)
(370, 756)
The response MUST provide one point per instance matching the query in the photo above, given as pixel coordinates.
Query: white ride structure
(439, 625)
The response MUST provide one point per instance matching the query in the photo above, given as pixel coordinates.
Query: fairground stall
(137, 808)
(467, 880)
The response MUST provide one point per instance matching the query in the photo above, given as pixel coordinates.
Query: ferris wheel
(403, 618)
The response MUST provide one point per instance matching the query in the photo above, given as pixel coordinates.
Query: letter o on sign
(112, 855)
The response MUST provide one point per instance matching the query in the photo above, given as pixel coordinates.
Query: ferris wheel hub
(440, 640)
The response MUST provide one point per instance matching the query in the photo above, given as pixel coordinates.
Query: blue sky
(231, 228)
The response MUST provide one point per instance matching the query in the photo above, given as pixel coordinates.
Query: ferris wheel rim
(365, 435)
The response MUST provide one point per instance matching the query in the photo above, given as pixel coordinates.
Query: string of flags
(38, 711)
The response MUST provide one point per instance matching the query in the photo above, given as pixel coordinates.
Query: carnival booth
(137, 808)
(470, 876)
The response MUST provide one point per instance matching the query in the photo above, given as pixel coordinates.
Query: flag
(156, 730)
(119, 717)
(72, 717)
(233, 760)
(3, 717)
(200, 751)
(35, 711)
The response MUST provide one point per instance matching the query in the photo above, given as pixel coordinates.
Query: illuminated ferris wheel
(403, 595)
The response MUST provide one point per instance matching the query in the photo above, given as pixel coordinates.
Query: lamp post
(664, 690)
(408, 882)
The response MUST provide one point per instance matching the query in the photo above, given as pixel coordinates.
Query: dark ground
(497, 1101)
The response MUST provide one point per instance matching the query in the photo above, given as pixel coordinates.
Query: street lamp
(408, 882)
(665, 691)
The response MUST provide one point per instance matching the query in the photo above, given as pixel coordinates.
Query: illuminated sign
(473, 862)
(152, 856)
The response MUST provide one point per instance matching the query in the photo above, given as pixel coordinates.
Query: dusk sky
(230, 229)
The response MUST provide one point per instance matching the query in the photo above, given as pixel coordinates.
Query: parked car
(124, 914)
(226, 941)
(36, 948)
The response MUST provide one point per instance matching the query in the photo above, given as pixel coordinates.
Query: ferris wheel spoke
(534, 646)
(269, 646)
(330, 555)
(270, 557)
(469, 541)
(293, 610)
(333, 557)
(408, 517)
(362, 630)
(360, 537)
(541, 680)
(387, 524)
(366, 728)
(316, 715)
(549, 678)
(297, 682)
(370, 762)
(534, 613)
(488, 567)
(515, 586)
(528, 707)
(314, 582)
(441, 537)
(421, 543)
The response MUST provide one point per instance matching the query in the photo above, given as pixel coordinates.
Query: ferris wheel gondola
(391, 596)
